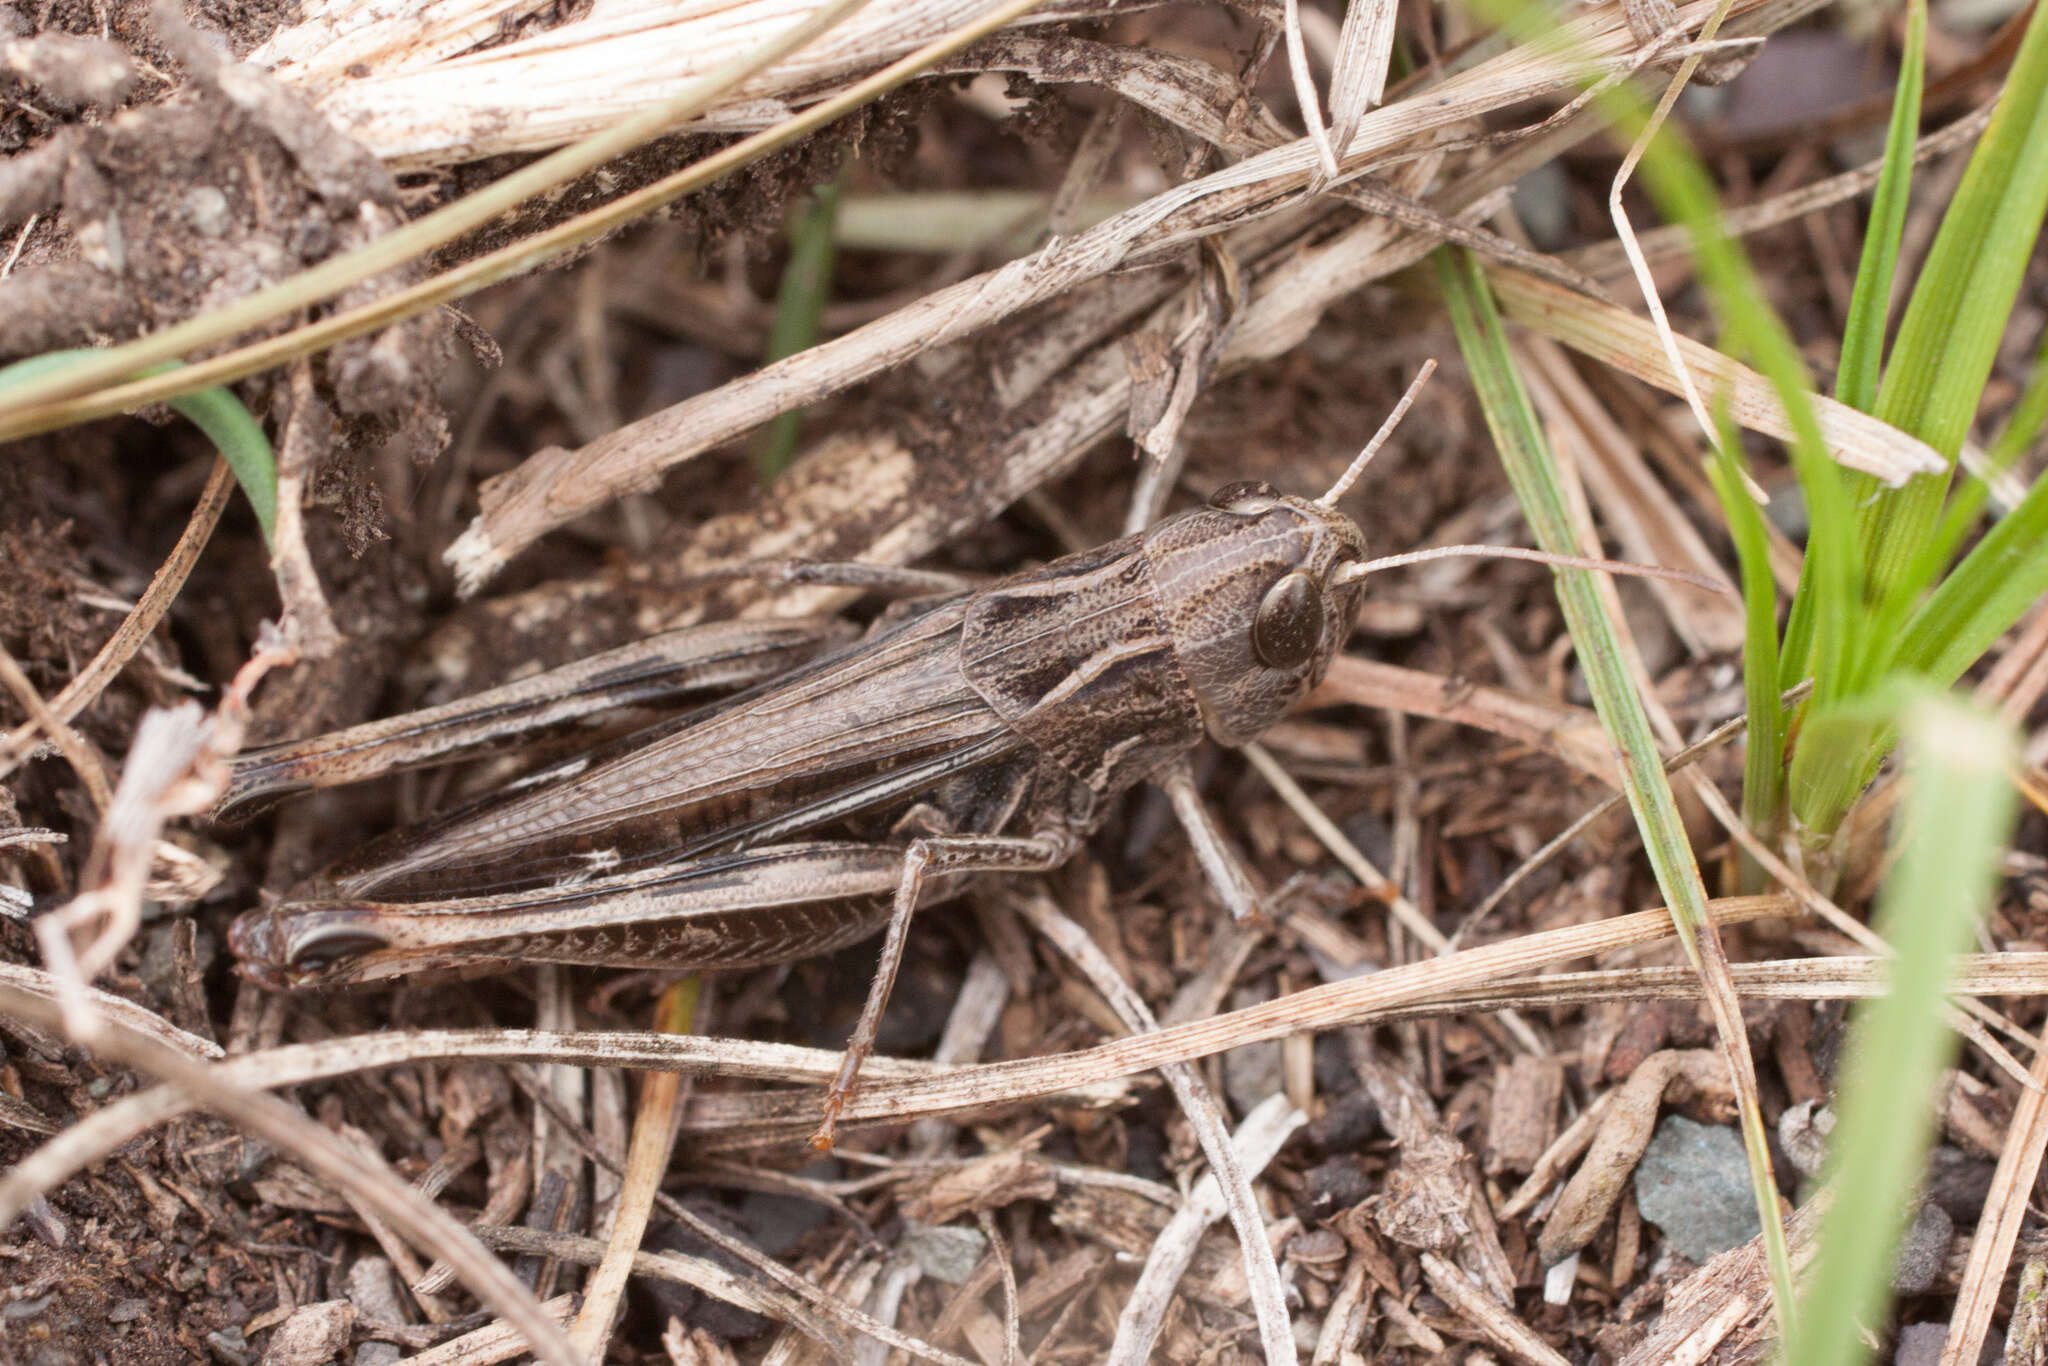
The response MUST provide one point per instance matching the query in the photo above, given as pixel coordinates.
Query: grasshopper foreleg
(928, 856)
(1220, 863)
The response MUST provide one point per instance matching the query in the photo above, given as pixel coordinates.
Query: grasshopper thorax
(1247, 587)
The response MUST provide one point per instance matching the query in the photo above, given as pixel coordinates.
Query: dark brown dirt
(194, 1244)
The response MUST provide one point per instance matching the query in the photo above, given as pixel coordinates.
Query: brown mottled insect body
(987, 732)
(1025, 705)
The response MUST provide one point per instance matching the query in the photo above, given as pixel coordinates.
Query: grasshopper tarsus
(943, 855)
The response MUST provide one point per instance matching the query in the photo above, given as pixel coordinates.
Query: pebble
(1255, 1072)
(1542, 201)
(1920, 1344)
(946, 1252)
(313, 1335)
(1923, 1252)
(230, 1346)
(206, 209)
(777, 1223)
(373, 1290)
(1335, 1186)
(1345, 1127)
(1693, 1183)
(1803, 1136)
(1958, 1181)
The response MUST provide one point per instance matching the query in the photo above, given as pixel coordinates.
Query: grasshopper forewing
(662, 669)
(988, 731)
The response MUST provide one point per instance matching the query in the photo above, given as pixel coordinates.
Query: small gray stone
(229, 1346)
(1252, 1074)
(1542, 200)
(206, 209)
(1803, 1135)
(1919, 1344)
(1255, 1072)
(373, 1290)
(1924, 1250)
(947, 1252)
(1693, 1183)
(314, 1335)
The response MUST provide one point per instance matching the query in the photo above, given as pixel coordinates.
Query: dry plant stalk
(555, 486)
(432, 100)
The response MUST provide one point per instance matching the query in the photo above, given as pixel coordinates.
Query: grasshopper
(979, 730)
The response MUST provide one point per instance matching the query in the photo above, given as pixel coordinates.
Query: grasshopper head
(293, 952)
(1249, 588)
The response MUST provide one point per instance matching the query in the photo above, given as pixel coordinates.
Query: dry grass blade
(1254, 1144)
(88, 1141)
(134, 629)
(556, 485)
(428, 102)
(1959, 1018)
(1991, 1248)
(1495, 1322)
(498, 1342)
(1606, 259)
(1667, 338)
(1619, 339)
(646, 1160)
(1316, 1009)
(109, 1127)
(1304, 82)
(1572, 734)
(84, 760)
(176, 766)
(106, 1005)
(1230, 1171)
(327, 1157)
(43, 400)
(1365, 45)
(1642, 514)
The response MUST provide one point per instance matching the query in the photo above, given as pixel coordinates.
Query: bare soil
(195, 1243)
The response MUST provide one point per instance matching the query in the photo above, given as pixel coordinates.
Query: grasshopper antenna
(1379, 438)
(1351, 573)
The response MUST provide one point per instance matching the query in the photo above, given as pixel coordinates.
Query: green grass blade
(1840, 748)
(799, 308)
(1863, 333)
(1763, 766)
(1963, 301)
(2003, 575)
(1958, 815)
(2028, 415)
(1960, 516)
(216, 412)
(444, 225)
(1532, 470)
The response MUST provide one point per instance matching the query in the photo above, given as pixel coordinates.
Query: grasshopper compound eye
(1245, 499)
(1289, 623)
(324, 949)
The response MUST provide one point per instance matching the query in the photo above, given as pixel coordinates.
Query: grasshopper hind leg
(927, 857)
